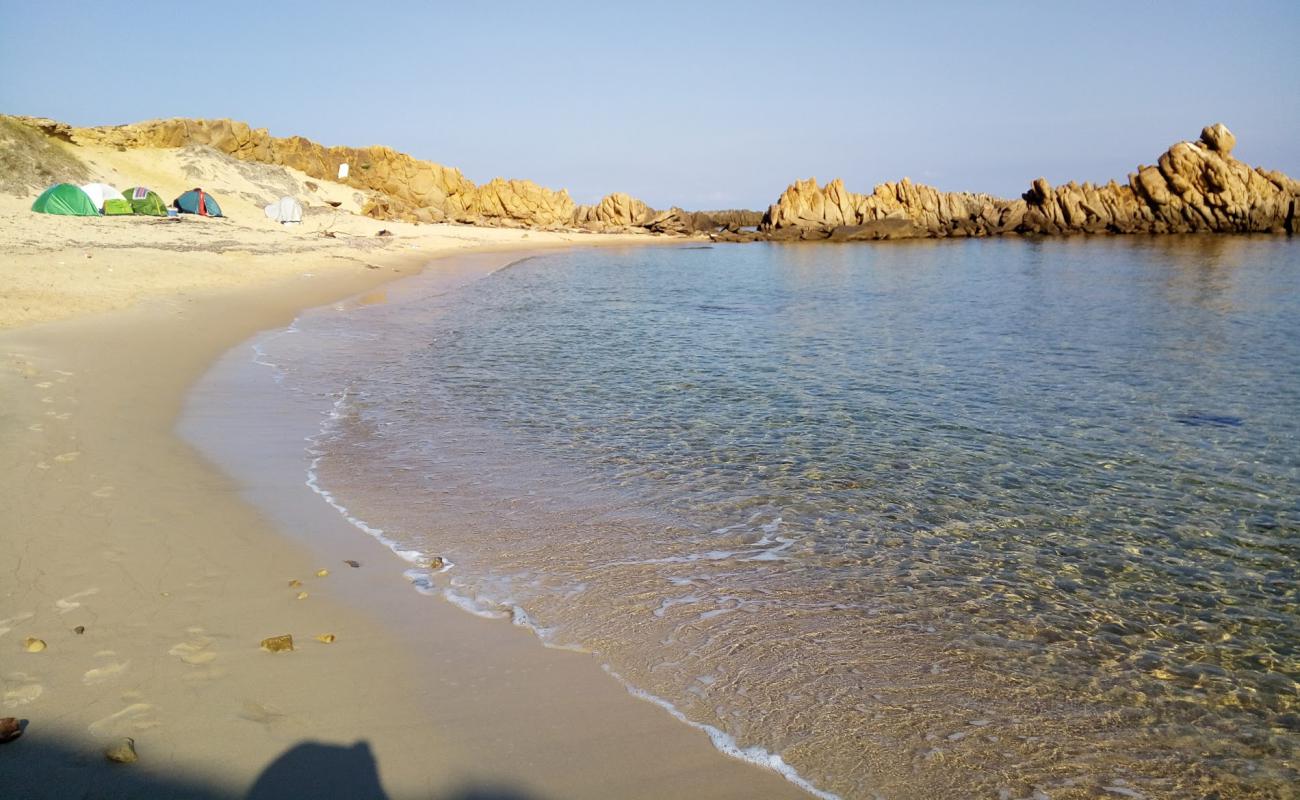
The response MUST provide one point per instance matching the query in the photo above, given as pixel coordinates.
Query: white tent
(286, 209)
(99, 192)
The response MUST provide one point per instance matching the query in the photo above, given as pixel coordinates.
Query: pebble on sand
(436, 562)
(80, 629)
(322, 572)
(122, 751)
(351, 563)
(325, 638)
(295, 583)
(276, 644)
(10, 729)
(33, 645)
(302, 595)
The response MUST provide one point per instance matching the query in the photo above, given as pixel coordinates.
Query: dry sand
(111, 524)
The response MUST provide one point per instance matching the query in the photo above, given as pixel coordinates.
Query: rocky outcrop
(614, 210)
(1194, 187)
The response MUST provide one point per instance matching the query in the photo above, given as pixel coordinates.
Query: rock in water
(276, 644)
(33, 645)
(10, 729)
(122, 751)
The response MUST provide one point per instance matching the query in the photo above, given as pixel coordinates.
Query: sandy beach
(150, 580)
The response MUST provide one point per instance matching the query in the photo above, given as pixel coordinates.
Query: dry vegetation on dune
(30, 160)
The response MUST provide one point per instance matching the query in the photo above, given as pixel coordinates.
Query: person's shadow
(312, 769)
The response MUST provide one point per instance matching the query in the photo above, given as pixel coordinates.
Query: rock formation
(1195, 186)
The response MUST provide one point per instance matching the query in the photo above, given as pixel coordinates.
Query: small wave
(726, 744)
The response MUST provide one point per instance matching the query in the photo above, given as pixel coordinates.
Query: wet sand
(115, 524)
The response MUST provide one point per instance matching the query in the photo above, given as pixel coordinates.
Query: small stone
(295, 583)
(276, 644)
(33, 645)
(302, 595)
(325, 638)
(10, 729)
(80, 629)
(351, 563)
(321, 573)
(122, 751)
(436, 562)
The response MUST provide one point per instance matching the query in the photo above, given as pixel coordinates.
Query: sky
(700, 104)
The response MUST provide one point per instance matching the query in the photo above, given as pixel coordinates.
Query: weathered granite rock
(1194, 187)
(614, 209)
(10, 729)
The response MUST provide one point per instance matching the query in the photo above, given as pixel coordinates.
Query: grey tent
(286, 209)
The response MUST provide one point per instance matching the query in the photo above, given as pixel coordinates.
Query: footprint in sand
(196, 651)
(69, 603)
(136, 716)
(262, 713)
(6, 625)
(20, 689)
(108, 669)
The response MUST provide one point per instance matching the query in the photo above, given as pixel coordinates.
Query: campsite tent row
(100, 198)
(94, 199)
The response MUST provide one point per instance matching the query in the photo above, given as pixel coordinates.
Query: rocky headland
(1193, 187)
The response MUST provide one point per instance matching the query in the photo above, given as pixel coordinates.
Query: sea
(1013, 518)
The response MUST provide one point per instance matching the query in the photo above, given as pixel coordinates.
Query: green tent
(64, 198)
(115, 207)
(146, 201)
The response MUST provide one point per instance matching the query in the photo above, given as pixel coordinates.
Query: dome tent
(285, 210)
(67, 199)
(146, 201)
(99, 192)
(197, 201)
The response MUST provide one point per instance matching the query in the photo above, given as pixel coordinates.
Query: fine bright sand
(151, 580)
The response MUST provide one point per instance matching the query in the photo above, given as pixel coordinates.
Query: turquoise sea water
(927, 519)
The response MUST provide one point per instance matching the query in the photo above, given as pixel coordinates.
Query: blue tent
(197, 201)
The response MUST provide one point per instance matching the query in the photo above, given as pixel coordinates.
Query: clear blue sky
(701, 104)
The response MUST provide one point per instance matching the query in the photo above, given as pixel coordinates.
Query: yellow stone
(276, 644)
(321, 573)
(295, 583)
(325, 638)
(302, 595)
(33, 645)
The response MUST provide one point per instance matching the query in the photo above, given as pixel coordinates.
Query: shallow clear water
(931, 519)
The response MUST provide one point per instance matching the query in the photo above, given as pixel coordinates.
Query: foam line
(727, 745)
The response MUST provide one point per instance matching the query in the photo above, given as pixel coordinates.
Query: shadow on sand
(30, 768)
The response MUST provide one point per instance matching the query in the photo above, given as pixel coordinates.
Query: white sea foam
(727, 744)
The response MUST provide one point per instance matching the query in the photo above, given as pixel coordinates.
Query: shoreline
(176, 579)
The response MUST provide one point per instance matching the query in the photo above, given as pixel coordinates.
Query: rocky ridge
(1194, 187)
